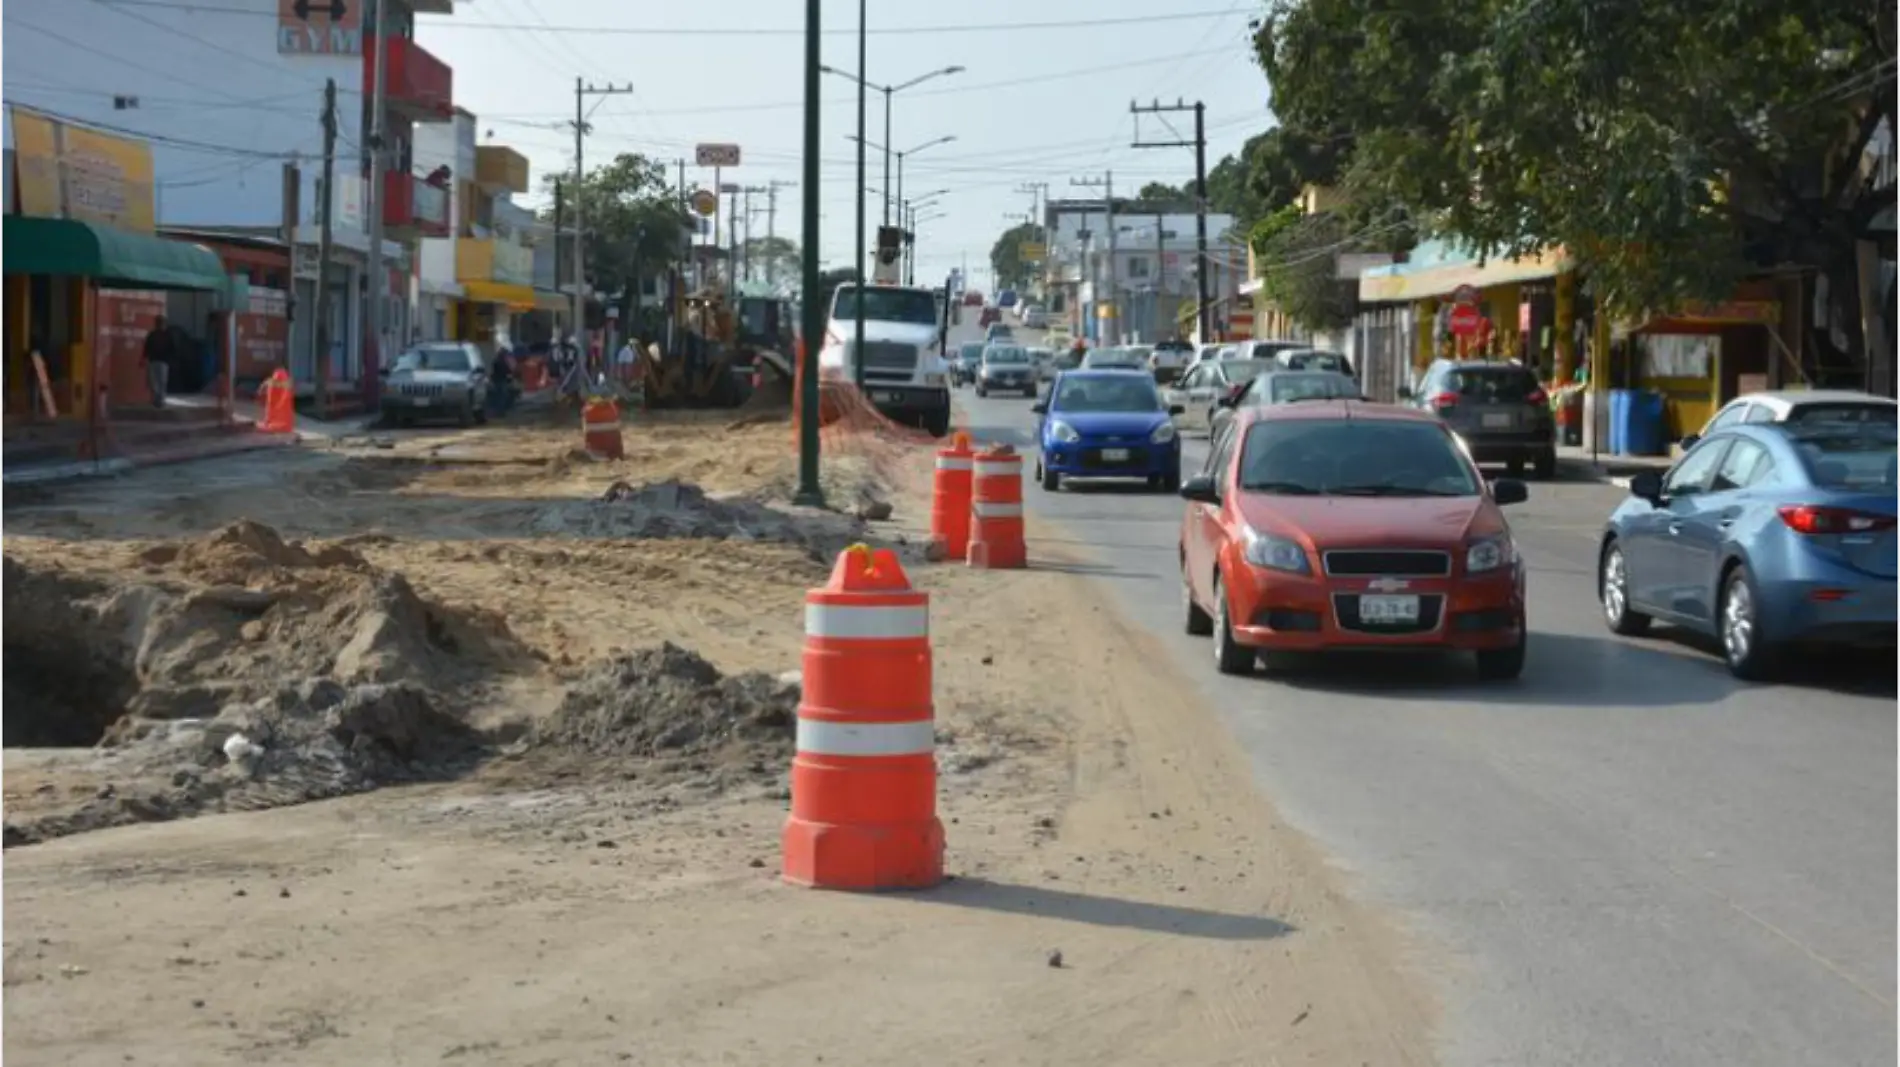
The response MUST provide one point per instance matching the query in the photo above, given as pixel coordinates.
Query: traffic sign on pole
(1466, 320)
(716, 155)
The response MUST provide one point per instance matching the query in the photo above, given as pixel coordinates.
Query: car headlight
(1275, 553)
(1487, 555)
(1064, 433)
(1163, 433)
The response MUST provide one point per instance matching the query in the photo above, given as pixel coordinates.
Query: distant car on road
(1794, 405)
(1006, 368)
(1346, 525)
(1044, 360)
(1314, 359)
(1199, 392)
(1106, 424)
(1170, 360)
(972, 298)
(1270, 349)
(1111, 359)
(1500, 410)
(1006, 298)
(1764, 536)
(1281, 387)
(999, 331)
(969, 357)
(990, 315)
(438, 380)
(1036, 318)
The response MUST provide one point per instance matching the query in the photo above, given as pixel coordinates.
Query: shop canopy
(120, 259)
(513, 297)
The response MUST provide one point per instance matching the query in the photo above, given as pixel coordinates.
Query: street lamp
(888, 91)
(917, 220)
(899, 194)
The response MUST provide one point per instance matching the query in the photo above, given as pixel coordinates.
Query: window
(1504, 384)
(1746, 464)
(1760, 413)
(1357, 457)
(1106, 393)
(1219, 454)
(890, 305)
(1732, 415)
(1847, 413)
(1240, 370)
(1290, 387)
(436, 357)
(1691, 475)
(1849, 456)
(1137, 266)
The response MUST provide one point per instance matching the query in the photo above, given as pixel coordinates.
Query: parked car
(437, 380)
(999, 332)
(969, 357)
(1006, 368)
(972, 298)
(990, 315)
(1314, 359)
(1036, 318)
(1764, 536)
(1347, 525)
(1500, 410)
(1281, 387)
(1106, 424)
(1271, 349)
(1044, 360)
(1006, 298)
(1832, 405)
(1200, 391)
(1170, 360)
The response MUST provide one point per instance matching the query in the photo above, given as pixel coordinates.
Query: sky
(1044, 97)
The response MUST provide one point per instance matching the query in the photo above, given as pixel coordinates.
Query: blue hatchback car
(1107, 424)
(1764, 536)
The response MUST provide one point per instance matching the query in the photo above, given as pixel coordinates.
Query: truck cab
(902, 368)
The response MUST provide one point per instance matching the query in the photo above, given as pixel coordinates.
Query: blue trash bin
(1645, 435)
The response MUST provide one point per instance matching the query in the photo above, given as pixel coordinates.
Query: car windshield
(1139, 352)
(886, 305)
(1357, 457)
(1241, 371)
(1848, 455)
(1291, 387)
(1270, 349)
(973, 350)
(1107, 393)
(1006, 355)
(434, 357)
(1492, 385)
(1846, 412)
(1326, 361)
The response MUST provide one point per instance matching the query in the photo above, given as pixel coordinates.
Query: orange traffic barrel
(864, 777)
(996, 510)
(950, 497)
(280, 403)
(600, 428)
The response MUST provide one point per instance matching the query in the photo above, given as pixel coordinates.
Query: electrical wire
(182, 143)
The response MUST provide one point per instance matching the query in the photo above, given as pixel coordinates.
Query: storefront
(488, 314)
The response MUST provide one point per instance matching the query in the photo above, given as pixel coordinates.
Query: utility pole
(1038, 193)
(378, 277)
(581, 92)
(1199, 144)
(732, 247)
(1106, 183)
(326, 203)
(745, 250)
(771, 226)
(810, 493)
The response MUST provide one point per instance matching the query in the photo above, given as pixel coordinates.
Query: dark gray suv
(1499, 409)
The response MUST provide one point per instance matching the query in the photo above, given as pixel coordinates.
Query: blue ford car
(1107, 424)
(1765, 536)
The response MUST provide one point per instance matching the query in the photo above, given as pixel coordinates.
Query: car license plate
(1388, 610)
(1497, 422)
(1114, 455)
(890, 398)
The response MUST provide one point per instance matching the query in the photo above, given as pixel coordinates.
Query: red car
(1345, 525)
(990, 315)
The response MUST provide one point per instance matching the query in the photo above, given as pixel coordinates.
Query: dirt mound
(670, 713)
(310, 741)
(678, 509)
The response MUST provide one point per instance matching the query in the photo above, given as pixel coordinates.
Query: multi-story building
(1140, 289)
(477, 280)
(230, 98)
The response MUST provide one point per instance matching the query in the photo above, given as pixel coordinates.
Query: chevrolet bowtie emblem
(1388, 585)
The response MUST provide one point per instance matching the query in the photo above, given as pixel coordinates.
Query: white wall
(210, 79)
(436, 144)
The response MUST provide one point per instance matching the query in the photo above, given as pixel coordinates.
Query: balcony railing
(409, 203)
(492, 260)
(421, 86)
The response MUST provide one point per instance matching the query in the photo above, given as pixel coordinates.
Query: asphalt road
(1625, 857)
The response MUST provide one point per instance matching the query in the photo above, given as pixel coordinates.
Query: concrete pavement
(1625, 858)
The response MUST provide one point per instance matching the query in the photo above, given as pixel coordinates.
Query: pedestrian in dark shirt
(157, 360)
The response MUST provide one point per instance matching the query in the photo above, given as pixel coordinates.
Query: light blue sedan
(1764, 536)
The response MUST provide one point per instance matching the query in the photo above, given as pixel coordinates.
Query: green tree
(1669, 148)
(1007, 264)
(775, 257)
(1160, 193)
(634, 224)
(1297, 254)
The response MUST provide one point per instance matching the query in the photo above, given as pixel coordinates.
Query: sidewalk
(1577, 464)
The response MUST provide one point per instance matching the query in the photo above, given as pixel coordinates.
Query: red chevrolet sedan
(1341, 524)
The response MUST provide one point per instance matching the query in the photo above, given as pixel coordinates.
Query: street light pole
(810, 493)
(857, 255)
(888, 90)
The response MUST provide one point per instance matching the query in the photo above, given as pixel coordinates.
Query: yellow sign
(1031, 251)
(1104, 310)
(66, 172)
(705, 202)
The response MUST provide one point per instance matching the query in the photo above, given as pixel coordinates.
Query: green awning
(119, 259)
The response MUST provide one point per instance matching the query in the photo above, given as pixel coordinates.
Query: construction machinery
(716, 347)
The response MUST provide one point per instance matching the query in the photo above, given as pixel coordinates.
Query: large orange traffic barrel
(600, 428)
(950, 497)
(996, 510)
(864, 776)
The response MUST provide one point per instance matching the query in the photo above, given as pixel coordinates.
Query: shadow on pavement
(1093, 570)
(1851, 672)
(987, 895)
(1563, 670)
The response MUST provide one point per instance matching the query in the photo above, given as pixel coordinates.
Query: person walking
(156, 357)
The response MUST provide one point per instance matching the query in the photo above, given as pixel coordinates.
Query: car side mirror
(1508, 491)
(1200, 489)
(1688, 441)
(1647, 485)
(1177, 409)
(1405, 393)
(1039, 408)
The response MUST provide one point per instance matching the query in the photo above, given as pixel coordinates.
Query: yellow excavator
(719, 355)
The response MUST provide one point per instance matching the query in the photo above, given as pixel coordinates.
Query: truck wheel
(937, 423)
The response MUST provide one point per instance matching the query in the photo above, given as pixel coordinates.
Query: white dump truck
(902, 368)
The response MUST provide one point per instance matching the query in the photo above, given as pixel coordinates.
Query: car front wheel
(1195, 620)
(1230, 656)
(1613, 592)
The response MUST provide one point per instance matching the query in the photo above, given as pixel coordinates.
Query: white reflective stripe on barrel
(945, 463)
(993, 469)
(997, 511)
(879, 622)
(821, 737)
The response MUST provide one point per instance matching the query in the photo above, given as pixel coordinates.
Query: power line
(730, 31)
(175, 142)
